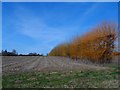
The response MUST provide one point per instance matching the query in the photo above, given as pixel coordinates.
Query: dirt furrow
(15, 61)
(45, 64)
(18, 67)
(32, 65)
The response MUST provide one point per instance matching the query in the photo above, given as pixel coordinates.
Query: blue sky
(39, 27)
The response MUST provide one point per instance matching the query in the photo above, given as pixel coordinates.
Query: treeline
(96, 45)
(14, 53)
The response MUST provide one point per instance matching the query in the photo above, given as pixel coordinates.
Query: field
(38, 71)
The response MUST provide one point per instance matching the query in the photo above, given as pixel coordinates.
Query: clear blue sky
(39, 27)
